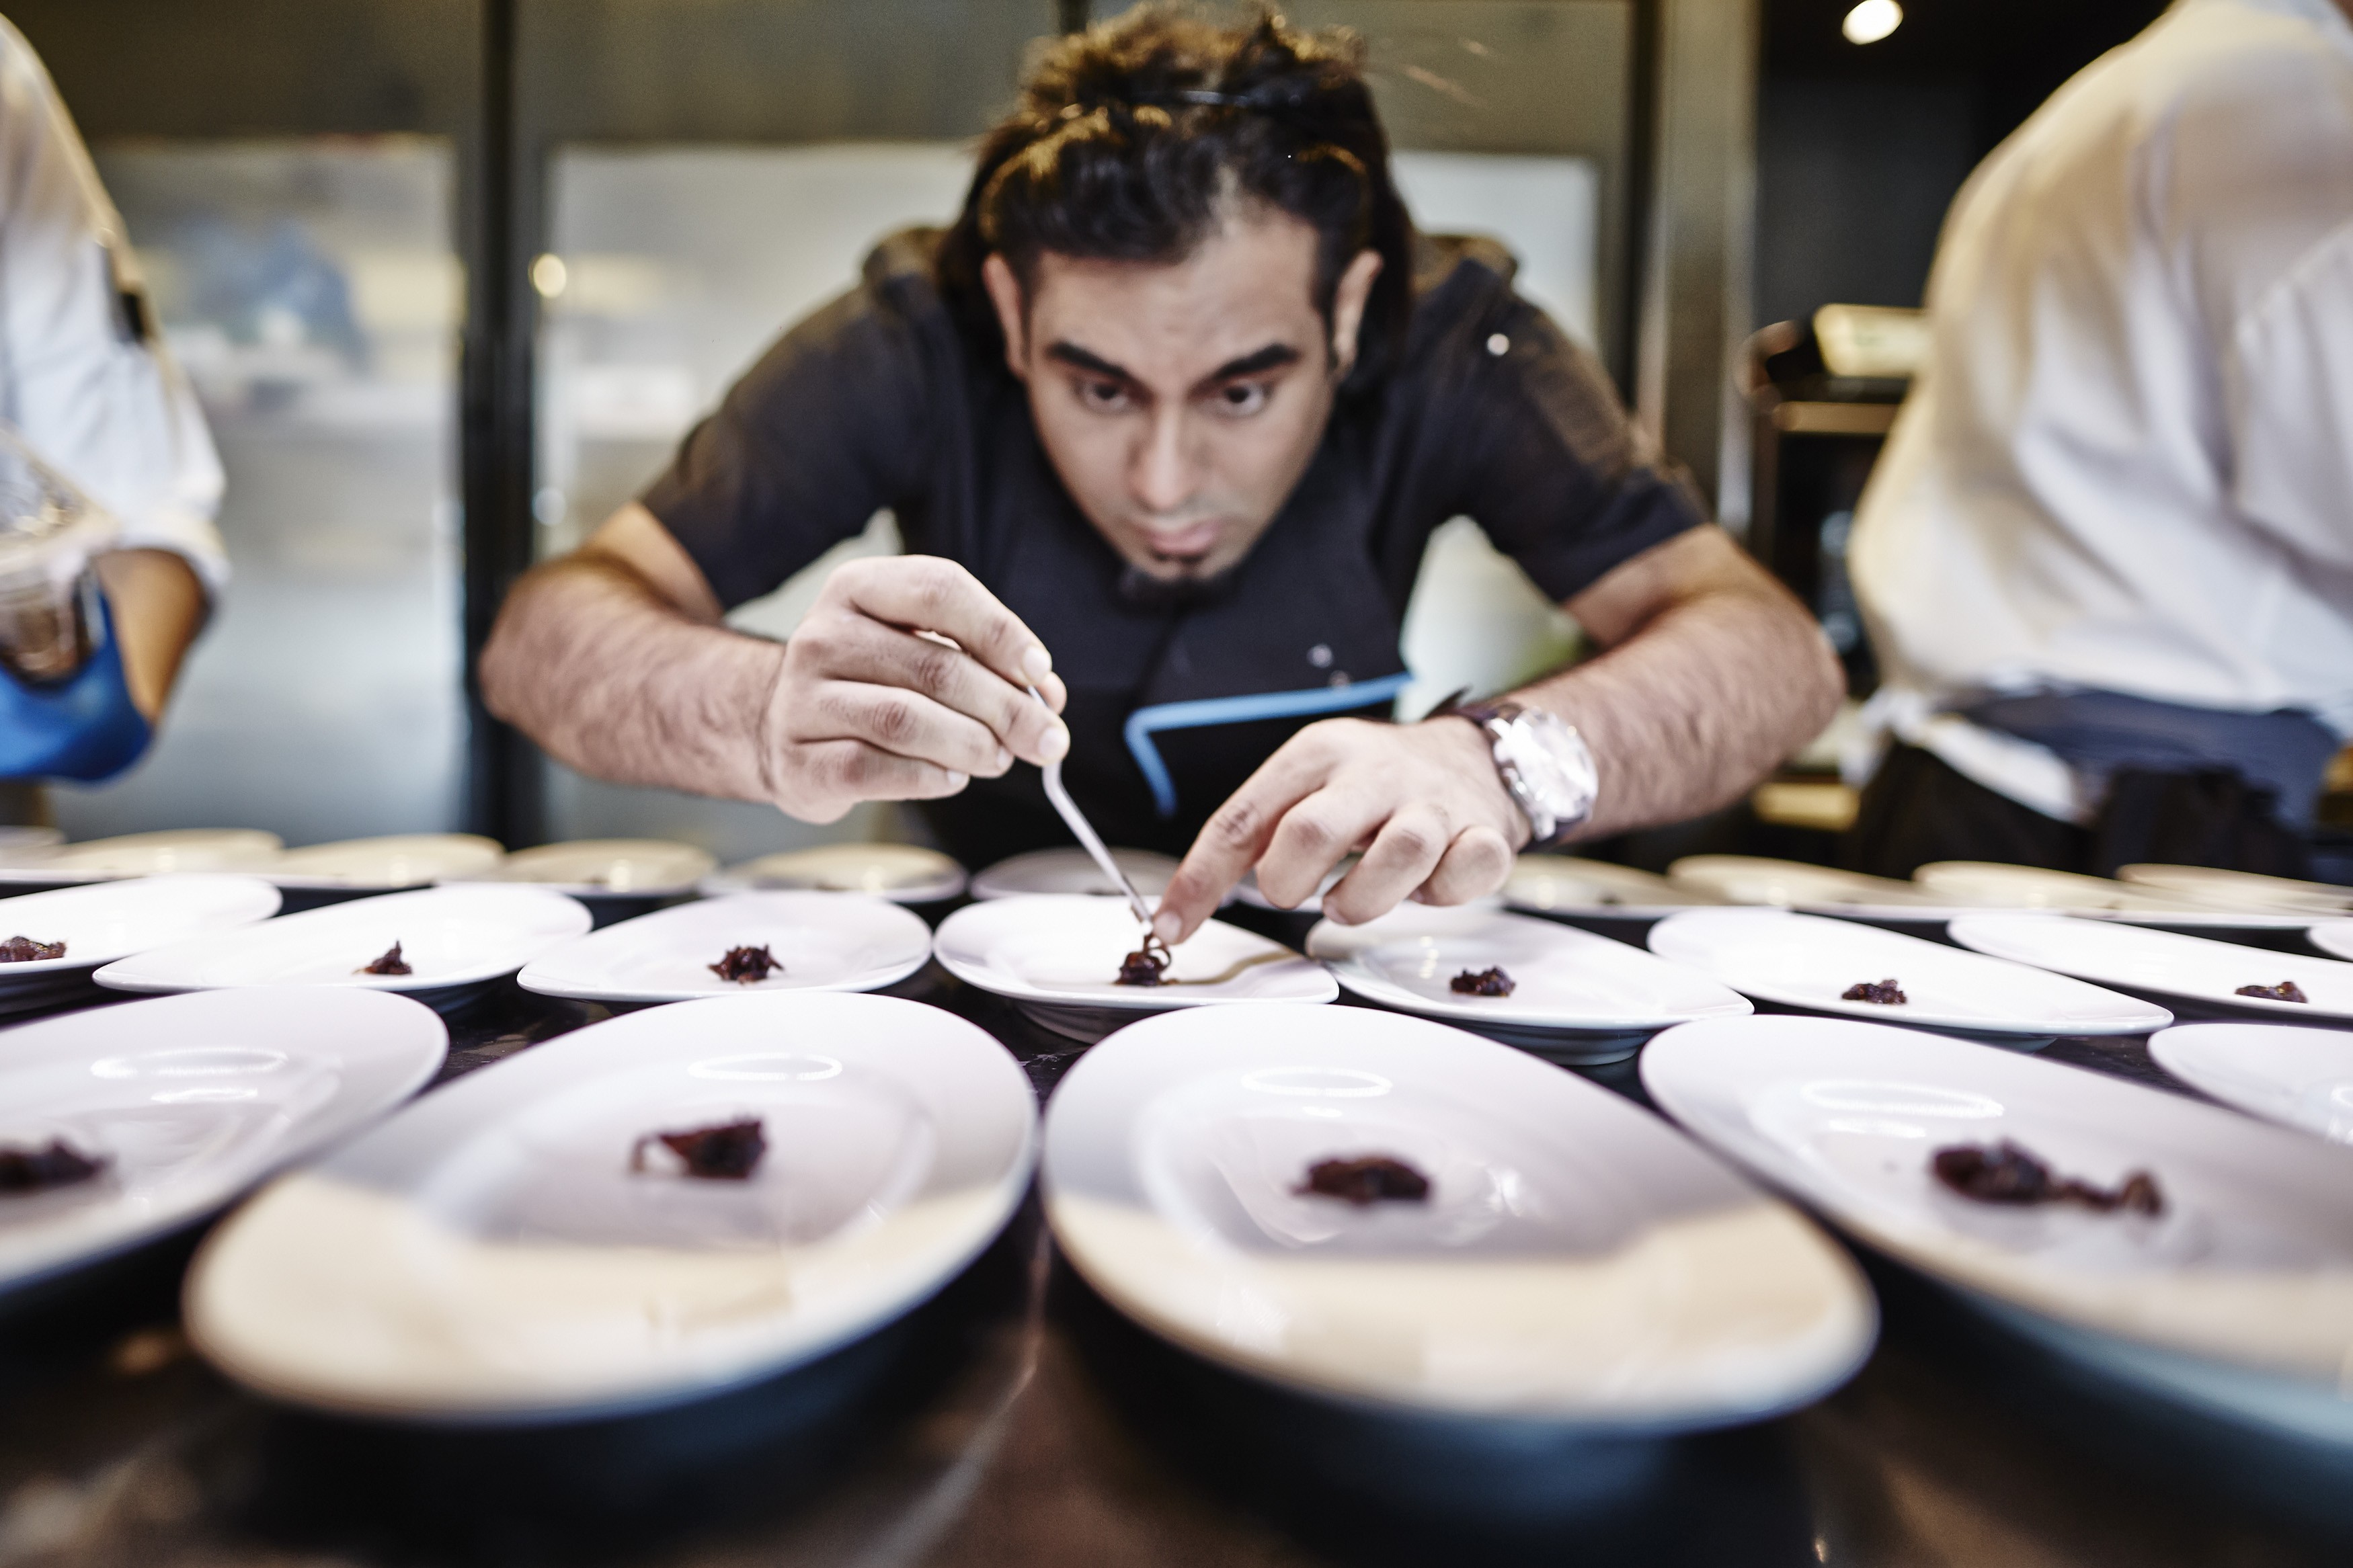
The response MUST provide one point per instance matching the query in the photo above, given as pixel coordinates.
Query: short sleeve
(85, 380)
(1555, 473)
(825, 429)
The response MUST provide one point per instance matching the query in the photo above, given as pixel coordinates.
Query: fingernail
(957, 780)
(1056, 745)
(1037, 664)
(1165, 927)
(1004, 759)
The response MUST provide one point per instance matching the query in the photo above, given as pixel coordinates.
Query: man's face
(1180, 404)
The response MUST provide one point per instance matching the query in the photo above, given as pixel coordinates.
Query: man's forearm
(159, 606)
(1690, 713)
(614, 680)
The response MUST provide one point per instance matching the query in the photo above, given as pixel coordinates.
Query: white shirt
(2128, 464)
(105, 407)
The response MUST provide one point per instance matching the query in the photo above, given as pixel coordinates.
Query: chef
(2107, 559)
(88, 388)
(1166, 419)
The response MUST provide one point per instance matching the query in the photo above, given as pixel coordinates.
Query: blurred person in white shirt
(86, 384)
(2107, 560)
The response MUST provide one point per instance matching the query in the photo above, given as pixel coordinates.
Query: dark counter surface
(1018, 1420)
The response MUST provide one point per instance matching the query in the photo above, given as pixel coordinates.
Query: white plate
(2334, 938)
(149, 855)
(825, 942)
(19, 845)
(1754, 880)
(488, 1255)
(1072, 871)
(2248, 1273)
(2298, 1078)
(1807, 960)
(1579, 1262)
(2196, 968)
(402, 860)
(2242, 890)
(449, 936)
(902, 873)
(1550, 884)
(108, 920)
(605, 868)
(193, 1100)
(1565, 980)
(1059, 956)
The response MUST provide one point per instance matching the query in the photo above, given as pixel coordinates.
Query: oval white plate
(2298, 1078)
(1578, 1261)
(193, 1100)
(150, 855)
(449, 936)
(1986, 885)
(605, 868)
(825, 942)
(902, 873)
(1065, 951)
(1807, 960)
(2251, 1265)
(489, 1255)
(2242, 890)
(2196, 968)
(108, 920)
(1072, 871)
(1565, 979)
(402, 860)
(1755, 880)
(2332, 937)
(1545, 884)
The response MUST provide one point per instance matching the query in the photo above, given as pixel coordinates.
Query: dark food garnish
(728, 1153)
(25, 950)
(746, 965)
(2006, 1173)
(1484, 982)
(390, 963)
(38, 1169)
(1884, 994)
(1367, 1180)
(1146, 964)
(2285, 990)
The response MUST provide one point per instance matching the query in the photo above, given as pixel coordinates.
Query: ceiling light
(1872, 21)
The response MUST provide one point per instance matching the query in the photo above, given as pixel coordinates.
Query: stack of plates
(1562, 884)
(1987, 885)
(405, 861)
(825, 942)
(108, 920)
(604, 867)
(2165, 963)
(1809, 961)
(189, 1100)
(1576, 1262)
(491, 1253)
(1576, 997)
(2237, 1299)
(146, 855)
(2242, 890)
(902, 873)
(1057, 959)
(456, 940)
(1073, 871)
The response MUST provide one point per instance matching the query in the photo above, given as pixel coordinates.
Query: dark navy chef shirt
(882, 399)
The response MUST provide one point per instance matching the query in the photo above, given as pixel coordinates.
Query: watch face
(1554, 765)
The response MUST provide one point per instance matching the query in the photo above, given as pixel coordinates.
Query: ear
(1348, 301)
(1004, 293)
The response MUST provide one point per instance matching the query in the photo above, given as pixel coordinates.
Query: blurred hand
(905, 682)
(1422, 801)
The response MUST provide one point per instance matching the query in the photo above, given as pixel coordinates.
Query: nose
(1161, 474)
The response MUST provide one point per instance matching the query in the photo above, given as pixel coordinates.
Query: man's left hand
(1422, 801)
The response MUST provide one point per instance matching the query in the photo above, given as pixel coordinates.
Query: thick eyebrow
(1078, 358)
(1267, 358)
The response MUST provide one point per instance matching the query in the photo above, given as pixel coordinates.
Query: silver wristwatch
(1545, 763)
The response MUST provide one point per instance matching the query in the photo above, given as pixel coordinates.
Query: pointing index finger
(1231, 841)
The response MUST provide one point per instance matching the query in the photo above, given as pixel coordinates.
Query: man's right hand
(905, 681)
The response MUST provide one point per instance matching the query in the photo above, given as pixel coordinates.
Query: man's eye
(1105, 396)
(1242, 397)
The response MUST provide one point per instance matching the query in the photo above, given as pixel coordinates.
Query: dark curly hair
(1132, 140)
